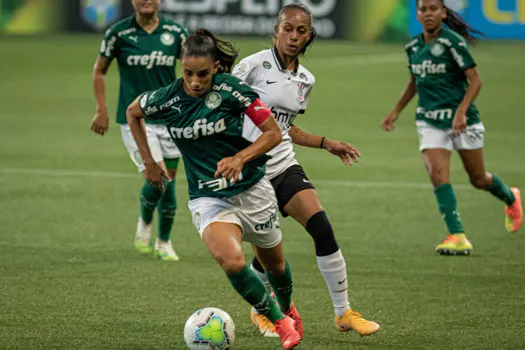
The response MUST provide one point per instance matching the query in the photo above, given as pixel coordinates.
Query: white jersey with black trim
(284, 92)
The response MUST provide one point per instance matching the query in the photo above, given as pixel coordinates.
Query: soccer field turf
(70, 278)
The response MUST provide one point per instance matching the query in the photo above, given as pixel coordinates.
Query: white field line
(182, 182)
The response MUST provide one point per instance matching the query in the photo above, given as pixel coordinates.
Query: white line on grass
(131, 174)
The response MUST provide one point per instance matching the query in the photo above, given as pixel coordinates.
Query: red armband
(258, 112)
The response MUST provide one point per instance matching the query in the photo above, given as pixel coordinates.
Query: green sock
(501, 191)
(448, 208)
(282, 286)
(166, 208)
(251, 288)
(149, 197)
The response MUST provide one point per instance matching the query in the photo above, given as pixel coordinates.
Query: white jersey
(284, 92)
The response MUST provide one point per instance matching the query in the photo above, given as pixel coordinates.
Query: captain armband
(258, 112)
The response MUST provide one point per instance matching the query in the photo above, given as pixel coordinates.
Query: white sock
(333, 269)
(143, 229)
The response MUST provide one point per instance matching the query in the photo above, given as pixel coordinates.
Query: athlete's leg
(168, 201)
(166, 207)
(437, 164)
(306, 209)
(280, 277)
(475, 168)
(278, 272)
(149, 194)
(223, 241)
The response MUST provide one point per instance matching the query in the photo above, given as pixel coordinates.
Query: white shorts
(160, 143)
(431, 137)
(254, 211)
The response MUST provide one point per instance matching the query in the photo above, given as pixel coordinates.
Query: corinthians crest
(100, 13)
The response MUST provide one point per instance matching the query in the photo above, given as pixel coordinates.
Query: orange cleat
(455, 244)
(352, 320)
(514, 212)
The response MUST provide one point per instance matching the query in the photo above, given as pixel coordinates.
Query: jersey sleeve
(152, 103)
(244, 70)
(108, 47)
(461, 54)
(410, 48)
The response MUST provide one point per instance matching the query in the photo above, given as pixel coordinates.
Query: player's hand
(388, 123)
(100, 123)
(230, 168)
(343, 150)
(459, 123)
(156, 175)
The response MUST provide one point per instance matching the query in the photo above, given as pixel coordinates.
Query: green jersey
(146, 61)
(207, 129)
(441, 83)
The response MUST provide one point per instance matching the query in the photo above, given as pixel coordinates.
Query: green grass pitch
(69, 277)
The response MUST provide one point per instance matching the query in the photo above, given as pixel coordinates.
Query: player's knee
(480, 182)
(230, 262)
(319, 227)
(438, 177)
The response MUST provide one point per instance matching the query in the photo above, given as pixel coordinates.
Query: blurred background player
(230, 199)
(146, 47)
(446, 79)
(284, 85)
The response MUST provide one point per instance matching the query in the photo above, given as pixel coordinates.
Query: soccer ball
(209, 328)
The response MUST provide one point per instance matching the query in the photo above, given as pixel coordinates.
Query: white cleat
(143, 237)
(164, 251)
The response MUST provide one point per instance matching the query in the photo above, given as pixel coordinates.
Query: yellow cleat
(353, 320)
(455, 244)
(514, 212)
(263, 324)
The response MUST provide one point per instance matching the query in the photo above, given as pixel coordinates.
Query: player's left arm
(465, 61)
(343, 150)
(231, 167)
(474, 87)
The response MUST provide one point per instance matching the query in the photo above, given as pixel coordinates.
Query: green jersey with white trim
(207, 129)
(439, 70)
(146, 61)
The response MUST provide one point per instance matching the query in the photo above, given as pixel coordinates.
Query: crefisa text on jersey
(228, 88)
(156, 58)
(200, 127)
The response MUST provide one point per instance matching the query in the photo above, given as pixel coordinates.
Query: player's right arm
(100, 123)
(134, 115)
(388, 123)
(109, 49)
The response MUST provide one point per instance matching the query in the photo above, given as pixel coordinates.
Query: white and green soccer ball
(209, 328)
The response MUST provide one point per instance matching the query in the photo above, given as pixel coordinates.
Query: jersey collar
(139, 28)
(280, 63)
